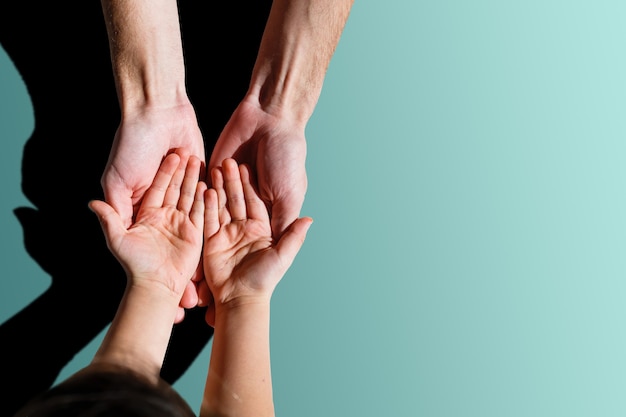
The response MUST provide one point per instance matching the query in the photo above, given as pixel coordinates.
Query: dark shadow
(60, 49)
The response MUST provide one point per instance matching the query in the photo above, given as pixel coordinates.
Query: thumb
(293, 238)
(110, 221)
(283, 214)
(122, 202)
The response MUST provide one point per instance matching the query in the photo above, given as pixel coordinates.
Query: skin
(156, 114)
(228, 226)
(159, 253)
(242, 265)
(267, 129)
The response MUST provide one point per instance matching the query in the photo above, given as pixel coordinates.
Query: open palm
(164, 242)
(240, 258)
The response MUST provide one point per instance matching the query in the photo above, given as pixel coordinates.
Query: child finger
(255, 207)
(234, 190)
(211, 213)
(217, 178)
(189, 186)
(196, 214)
(156, 193)
(172, 194)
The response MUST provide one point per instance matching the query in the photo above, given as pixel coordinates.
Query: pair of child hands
(199, 245)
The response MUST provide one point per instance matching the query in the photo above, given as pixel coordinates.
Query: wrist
(256, 303)
(277, 118)
(280, 89)
(153, 292)
(287, 79)
(299, 40)
(139, 93)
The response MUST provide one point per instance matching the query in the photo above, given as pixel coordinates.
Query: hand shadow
(61, 51)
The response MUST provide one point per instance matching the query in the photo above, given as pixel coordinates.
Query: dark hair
(107, 391)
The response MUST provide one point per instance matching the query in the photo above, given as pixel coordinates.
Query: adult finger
(120, 198)
(292, 240)
(111, 223)
(284, 211)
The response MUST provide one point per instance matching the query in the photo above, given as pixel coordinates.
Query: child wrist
(244, 303)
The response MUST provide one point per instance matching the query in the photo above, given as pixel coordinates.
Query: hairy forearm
(298, 43)
(146, 52)
(239, 379)
(139, 334)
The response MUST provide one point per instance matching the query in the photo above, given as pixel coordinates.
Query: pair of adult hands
(274, 147)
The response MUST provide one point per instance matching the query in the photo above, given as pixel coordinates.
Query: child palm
(241, 260)
(165, 239)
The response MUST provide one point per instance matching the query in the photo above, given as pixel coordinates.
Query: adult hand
(275, 150)
(141, 142)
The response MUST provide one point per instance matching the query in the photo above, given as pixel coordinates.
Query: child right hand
(242, 264)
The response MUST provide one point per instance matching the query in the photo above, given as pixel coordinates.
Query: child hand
(162, 247)
(241, 261)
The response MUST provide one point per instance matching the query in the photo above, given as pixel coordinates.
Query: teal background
(467, 169)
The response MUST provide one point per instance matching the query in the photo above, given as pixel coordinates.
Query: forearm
(239, 380)
(128, 342)
(298, 43)
(146, 52)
